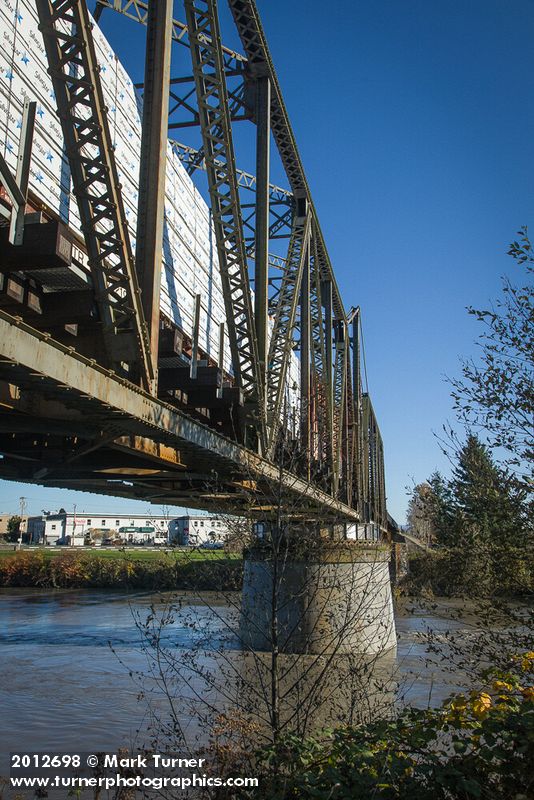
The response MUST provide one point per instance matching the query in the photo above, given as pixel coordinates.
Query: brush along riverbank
(118, 569)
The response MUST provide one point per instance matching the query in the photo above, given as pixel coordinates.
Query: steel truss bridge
(98, 391)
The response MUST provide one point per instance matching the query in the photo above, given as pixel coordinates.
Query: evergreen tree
(443, 509)
(487, 503)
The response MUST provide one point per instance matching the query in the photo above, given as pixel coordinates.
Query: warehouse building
(76, 530)
(196, 530)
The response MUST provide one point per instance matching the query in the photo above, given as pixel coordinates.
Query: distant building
(79, 529)
(197, 529)
(4, 519)
(35, 529)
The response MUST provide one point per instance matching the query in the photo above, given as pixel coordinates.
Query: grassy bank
(116, 569)
(119, 553)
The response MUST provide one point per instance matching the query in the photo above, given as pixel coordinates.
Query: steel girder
(357, 427)
(249, 27)
(152, 167)
(281, 343)
(374, 476)
(138, 10)
(322, 375)
(208, 69)
(16, 185)
(74, 71)
(337, 407)
(340, 402)
(349, 433)
(97, 397)
(259, 62)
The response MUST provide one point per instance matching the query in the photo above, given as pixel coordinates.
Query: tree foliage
(477, 745)
(480, 522)
(481, 501)
(485, 498)
(496, 395)
(13, 528)
(421, 516)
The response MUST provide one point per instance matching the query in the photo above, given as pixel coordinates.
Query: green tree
(13, 528)
(431, 510)
(488, 504)
(443, 508)
(481, 526)
(419, 515)
(496, 395)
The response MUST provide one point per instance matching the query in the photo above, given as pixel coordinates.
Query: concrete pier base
(337, 599)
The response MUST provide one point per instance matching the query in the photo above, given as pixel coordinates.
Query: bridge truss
(103, 394)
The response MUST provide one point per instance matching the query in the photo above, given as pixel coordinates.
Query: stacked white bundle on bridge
(189, 263)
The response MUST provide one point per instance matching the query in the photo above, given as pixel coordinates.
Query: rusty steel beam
(208, 69)
(250, 29)
(261, 254)
(151, 207)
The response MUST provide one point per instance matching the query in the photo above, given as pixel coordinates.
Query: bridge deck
(146, 448)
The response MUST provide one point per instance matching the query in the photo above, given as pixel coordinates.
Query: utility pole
(22, 511)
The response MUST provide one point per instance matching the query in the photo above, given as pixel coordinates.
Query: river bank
(127, 570)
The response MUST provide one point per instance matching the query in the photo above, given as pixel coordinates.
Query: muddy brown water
(69, 661)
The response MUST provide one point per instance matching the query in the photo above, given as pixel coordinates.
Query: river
(71, 663)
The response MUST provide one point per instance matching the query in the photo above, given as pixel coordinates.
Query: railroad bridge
(158, 342)
(108, 385)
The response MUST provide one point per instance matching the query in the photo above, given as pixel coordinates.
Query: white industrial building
(195, 530)
(79, 529)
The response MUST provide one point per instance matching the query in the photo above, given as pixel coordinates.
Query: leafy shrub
(79, 570)
(479, 572)
(479, 745)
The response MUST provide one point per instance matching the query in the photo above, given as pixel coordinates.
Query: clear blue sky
(415, 122)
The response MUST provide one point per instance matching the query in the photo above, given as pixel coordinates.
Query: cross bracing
(208, 70)
(74, 72)
(280, 293)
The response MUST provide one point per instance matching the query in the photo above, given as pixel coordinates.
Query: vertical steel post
(16, 229)
(221, 345)
(326, 294)
(221, 357)
(305, 334)
(357, 401)
(261, 276)
(196, 334)
(151, 209)
(366, 468)
(73, 67)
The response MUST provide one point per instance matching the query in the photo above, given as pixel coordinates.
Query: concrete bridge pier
(320, 598)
